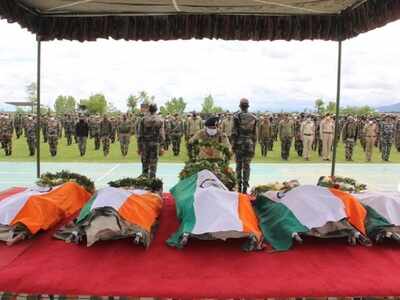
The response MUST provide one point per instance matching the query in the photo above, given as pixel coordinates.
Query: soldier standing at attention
(244, 140)
(105, 133)
(307, 133)
(387, 136)
(226, 126)
(370, 133)
(30, 129)
(69, 129)
(349, 137)
(18, 125)
(326, 132)
(82, 133)
(193, 125)
(286, 133)
(6, 133)
(150, 137)
(124, 134)
(44, 124)
(114, 127)
(96, 132)
(176, 127)
(397, 134)
(53, 132)
(264, 134)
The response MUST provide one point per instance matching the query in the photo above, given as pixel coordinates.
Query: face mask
(211, 131)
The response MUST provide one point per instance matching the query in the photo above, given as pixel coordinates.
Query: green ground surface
(71, 154)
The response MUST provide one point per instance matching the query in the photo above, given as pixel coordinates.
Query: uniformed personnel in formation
(244, 140)
(53, 132)
(82, 130)
(105, 134)
(349, 137)
(176, 132)
(307, 133)
(286, 133)
(265, 135)
(124, 134)
(193, 125)
(326, 133)
(370, 131)
(6, 133)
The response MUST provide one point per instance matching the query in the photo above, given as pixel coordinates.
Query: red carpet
(203, 269)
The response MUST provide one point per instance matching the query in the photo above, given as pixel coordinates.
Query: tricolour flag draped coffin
(206, 209)
(383, 214)
(115, 213)
(25, 213)
(313, 211)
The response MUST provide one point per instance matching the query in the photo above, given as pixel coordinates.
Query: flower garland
(141, 182)
(276, 186)
(53, 179)
(346, 184)
(215, 145)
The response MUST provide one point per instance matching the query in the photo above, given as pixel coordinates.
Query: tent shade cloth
(87, 20)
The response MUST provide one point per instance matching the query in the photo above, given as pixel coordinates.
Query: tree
(64, 104)
(142, 98)
(173, 106)
(208, 106)
(319, 105)
(331, 107)
(31, 91)
(96, 104)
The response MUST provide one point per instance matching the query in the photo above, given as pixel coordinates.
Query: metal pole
(339, 77)
(39, 52)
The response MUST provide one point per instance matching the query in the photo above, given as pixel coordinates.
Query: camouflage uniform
(151, 136)
(69, 129)
(95, 128)
(30, 129)
(53, 133)
(397, 135)
(349, 137)
(360, 131)
(264, 134)
(18, 124)
(286, 133)
(6, 133)
(226, 126)
(176, 127)
(167, 128)
(209, 152)
(44, 125)
(244, 139)
(193, 125)
(105, 133)
(114, 126)
(386, 138)
(298, 143)
(124, 135)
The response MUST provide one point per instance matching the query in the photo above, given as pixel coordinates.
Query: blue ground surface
(378, 177)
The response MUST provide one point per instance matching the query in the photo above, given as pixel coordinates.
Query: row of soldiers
(308, 132)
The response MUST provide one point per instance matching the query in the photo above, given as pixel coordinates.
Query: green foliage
(359, 110)
(96, 104)
(320, 106)
(141, 182)
(173, 106)
(209, 107)
(142, 98)
(54, 179)
(64, 104)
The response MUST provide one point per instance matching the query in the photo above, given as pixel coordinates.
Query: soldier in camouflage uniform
(286, 133)
(397, 134)
(349, 137)
(124, 134)
(193, 125)
(82, 133)
(226, 126)
(53, 133)
(386, 137)
(96, 132)
(244, 139)
(151, 136)
(6, 133)
(167, 128)
(264, 134)
(30, 129)
(298, 142)
(69, 126)
(105, 133)
(176, 127)
(18, 124)
(43, 124)
(114, 127)
(360, 126)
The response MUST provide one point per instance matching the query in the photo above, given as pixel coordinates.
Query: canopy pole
(38, 123)
(335, 138)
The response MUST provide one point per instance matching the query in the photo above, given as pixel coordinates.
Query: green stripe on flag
(85, 211)
(375, 222)
(277, 223)
(184, 193)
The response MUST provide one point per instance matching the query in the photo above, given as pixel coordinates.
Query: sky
(274, 76)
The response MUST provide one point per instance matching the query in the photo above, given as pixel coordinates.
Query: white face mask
(211, 131)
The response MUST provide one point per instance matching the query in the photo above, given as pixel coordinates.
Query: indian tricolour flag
(40, 210)
(205, 206)
(138, 207)
(304, 208)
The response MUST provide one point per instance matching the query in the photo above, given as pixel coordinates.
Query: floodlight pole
(38, 123)
(336, 135)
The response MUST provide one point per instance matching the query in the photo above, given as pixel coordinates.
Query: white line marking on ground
(107, 173)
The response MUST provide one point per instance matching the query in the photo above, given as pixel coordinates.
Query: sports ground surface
(377, 176)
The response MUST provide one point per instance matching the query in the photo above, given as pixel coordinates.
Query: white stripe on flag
(314, 206)
(111, 197)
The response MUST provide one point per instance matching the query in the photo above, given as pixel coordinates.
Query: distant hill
(4, 107)
(389, 108)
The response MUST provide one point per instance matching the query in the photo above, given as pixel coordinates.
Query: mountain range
(389, 108)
